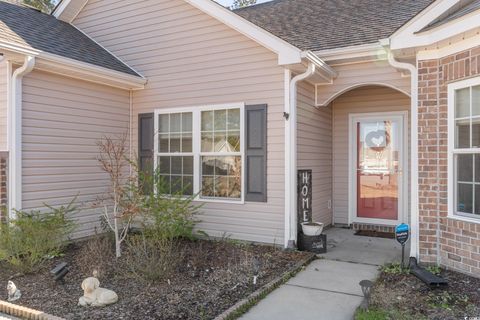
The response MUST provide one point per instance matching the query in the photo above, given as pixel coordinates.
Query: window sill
(464, 219)
(206, 200)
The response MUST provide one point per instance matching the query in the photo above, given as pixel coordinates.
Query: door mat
(375, 234)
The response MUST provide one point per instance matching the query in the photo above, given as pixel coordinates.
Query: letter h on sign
(304, 189)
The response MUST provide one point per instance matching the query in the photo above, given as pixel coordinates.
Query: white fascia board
(409, 37)
(60, 8)
(81, 70)
(351, 52)
(89, 72)
(287, 53)
(443, 51)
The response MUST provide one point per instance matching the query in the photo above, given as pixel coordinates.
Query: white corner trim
(286, 88)
(14, 135)
(414, 243)
(287, 53)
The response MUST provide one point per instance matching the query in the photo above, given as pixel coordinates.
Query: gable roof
(464, 8)
(32, 29)
(328, 24)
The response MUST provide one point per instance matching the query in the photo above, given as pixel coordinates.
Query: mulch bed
(407, 297)
(212, 276)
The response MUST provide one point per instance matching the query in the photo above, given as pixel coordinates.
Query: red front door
(378, 156)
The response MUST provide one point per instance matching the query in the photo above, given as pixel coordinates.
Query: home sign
(304, 196)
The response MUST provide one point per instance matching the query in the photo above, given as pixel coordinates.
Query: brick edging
(247, 303)
(24, 312)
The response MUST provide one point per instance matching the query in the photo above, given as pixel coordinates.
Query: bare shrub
(122, 203)
(151, 259)
(96, 255)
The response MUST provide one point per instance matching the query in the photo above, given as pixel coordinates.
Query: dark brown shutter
(256, 153)
(145, 145)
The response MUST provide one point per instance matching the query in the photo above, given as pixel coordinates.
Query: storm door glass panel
(378, 168)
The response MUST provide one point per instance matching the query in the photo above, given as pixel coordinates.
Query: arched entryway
(370, 152)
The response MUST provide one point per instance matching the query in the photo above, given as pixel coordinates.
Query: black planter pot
(315, 244)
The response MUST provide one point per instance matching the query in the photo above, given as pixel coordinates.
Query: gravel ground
(212, 276)
(409, 298)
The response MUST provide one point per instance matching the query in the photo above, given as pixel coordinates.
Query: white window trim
(196, 145)
(451, 148)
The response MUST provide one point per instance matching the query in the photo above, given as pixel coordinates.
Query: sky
(229, 2)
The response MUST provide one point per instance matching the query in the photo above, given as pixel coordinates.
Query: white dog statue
(95, 296)
(13, 293)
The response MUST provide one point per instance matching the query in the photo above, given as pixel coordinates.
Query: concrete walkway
(328, 289)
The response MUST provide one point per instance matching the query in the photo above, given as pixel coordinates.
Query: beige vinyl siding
(314, 143)
(63, 118)
(3, 106)
(361, 100)
(191, 59)
(358, 74)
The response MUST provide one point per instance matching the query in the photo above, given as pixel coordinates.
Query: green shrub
(167, 216)
(371, 314)
(395, 268)
(34, 237)
(436, 270)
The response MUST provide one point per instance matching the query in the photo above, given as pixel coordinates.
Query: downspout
(130, 129)
(291, 158)
(414, 242)
(15, 135)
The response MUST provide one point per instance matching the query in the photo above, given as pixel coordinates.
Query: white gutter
(82, 70)
(291, 158)
(414, 242)
(15, 135)
(327, 72)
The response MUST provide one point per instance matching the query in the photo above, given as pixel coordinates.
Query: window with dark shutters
(256, 153)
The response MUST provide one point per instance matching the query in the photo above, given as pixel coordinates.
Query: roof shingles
(29, 28)
(327, 24)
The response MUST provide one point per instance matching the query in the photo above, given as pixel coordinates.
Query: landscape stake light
(257, 265)
(366, 286)
(59, 272)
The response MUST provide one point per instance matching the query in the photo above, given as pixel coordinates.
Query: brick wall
(452, 243)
